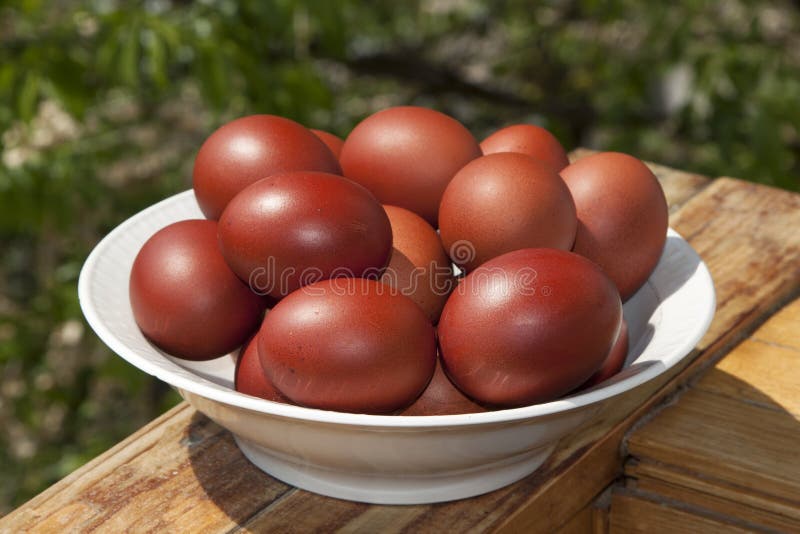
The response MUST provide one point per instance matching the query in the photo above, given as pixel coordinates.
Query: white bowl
(392, 459)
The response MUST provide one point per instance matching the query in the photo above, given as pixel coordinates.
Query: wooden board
(156, 481)
(183, 471)
(581, 523)
(675, 484)
(730, 443)
(784, 329)
(749, 235)
(723, 438)
(591, 519)
(758, 373)
(633, 512)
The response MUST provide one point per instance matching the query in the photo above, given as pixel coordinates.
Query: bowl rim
(215, 392)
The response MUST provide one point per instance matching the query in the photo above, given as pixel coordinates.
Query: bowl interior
(666, 318)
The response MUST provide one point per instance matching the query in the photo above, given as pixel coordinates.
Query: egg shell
(419, 267)
(441, 397)
(333, 142)
(348, 344)
(249, 377)
(504, 202)
(291, 229)
(406, 156)
(250, 148)
(186, 299)
(615, 360)
(622, 216)
(530, 140)
(528, 327)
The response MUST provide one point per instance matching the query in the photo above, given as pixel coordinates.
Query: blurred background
(104, 103)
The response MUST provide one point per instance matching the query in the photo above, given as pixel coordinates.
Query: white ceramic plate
(392, 459)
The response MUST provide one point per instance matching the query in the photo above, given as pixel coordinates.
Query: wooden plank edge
(131, 445)
(679, 506)
(597, 512)
(637, 470)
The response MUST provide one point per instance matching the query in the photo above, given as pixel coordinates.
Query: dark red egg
(248, 149)
(350, 345)
(615, 360)
(186, 299)
(528, 327)
(441, 397)
(528, 139)
(333, 142)
(504, 202)
(296, 228)
(407, 155)
(419, 267)
(249, 377)
(622, 216)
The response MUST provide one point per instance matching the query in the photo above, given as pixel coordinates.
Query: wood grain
(729, 444)
(758, 373)
(215, 487)
(591, 519)
(633, 512)
(728, 440)
(784, 329)
(180, 472)
(758, 260)
(680, 485)
(581, 523)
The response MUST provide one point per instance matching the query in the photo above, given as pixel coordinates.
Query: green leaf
(130, 56)
(158, 60)
(28, 96)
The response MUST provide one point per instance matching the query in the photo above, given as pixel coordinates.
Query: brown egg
(407, 155)
(348, 344)
(185, 298)
(249, 377)
(441, 397)
(528, 327)
(419, 267)
(622, 216)
(528, 139)
(333, 142)
(296, 228)
(615, 360)
(504, 202)
(248, 149)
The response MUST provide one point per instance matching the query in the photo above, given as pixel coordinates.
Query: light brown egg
(249, 377)
(291, 229)
(530, 140)
(528, 326)
(248, 149)
(504, 202)
(615, 360)
(406, 155)
(441, 397)
(350, 345)
(622, 216)
(333, 142)
(419, 267)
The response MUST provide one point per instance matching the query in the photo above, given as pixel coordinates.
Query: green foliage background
(103, 104)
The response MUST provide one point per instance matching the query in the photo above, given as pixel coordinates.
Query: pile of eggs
(406, 270)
